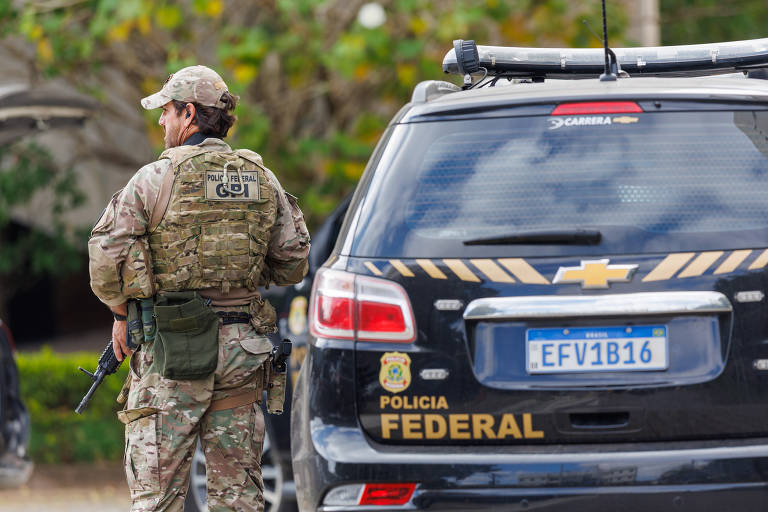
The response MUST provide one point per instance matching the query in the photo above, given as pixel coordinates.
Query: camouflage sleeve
(289, 240)
(125, 218)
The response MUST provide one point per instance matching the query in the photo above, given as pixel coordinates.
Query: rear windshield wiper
(544, 236)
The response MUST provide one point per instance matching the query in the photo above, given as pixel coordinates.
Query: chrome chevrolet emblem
(595, 274)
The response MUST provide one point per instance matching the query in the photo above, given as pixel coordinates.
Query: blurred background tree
(25, 254)
(702, 21)
(318, 79)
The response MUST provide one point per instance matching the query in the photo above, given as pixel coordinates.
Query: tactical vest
(216, 228)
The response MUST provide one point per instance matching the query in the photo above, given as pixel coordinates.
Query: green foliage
(317, 88)
(25, 169)
(704, 21)
(51, 387)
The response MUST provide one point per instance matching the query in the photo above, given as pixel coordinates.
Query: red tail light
(597, 107)
(386, 494)
(349, 306)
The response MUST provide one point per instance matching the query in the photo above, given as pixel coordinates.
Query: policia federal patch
(232, 186)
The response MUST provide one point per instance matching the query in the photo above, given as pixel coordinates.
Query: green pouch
(186, 342)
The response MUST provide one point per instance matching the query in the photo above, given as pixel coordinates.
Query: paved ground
(70, 488)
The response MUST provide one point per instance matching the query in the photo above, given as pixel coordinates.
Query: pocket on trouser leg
(142, 445)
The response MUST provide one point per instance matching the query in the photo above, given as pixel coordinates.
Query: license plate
(596, 349)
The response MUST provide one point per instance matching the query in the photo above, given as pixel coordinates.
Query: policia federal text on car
(192, 236)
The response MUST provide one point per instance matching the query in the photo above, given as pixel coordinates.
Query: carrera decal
(395, 372)
(559, 122)
(232, 186)
(458, 426)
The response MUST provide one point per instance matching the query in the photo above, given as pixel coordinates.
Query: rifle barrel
(89, 394)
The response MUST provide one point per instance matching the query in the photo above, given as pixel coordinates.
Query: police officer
(197, 230)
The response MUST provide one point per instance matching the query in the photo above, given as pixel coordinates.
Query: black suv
(550, 293)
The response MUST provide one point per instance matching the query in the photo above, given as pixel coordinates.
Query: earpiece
(187, 116)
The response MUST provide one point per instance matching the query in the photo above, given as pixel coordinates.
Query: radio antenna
(608, 75)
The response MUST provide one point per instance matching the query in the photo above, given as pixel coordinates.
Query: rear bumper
(329, 448)
(587, 500)
(717, 478)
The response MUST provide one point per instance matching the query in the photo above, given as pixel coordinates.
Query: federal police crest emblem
(395, 373)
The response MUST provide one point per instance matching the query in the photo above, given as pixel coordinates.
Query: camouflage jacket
(128, 215)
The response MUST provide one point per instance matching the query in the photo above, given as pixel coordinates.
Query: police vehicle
(549, 292)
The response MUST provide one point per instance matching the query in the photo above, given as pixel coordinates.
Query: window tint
(646, 181)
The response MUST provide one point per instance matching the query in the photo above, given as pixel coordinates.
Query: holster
(274, 383)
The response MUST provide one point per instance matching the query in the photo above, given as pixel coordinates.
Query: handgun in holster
(275, 376)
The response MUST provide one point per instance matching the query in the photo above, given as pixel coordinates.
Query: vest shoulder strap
(181, 154)
(251, 156)
(163, 198)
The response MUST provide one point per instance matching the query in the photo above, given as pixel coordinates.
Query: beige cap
(194, 84)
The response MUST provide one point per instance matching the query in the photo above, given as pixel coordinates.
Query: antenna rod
(605, 40)
(607, 75)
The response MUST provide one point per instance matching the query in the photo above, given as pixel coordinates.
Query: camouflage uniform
(164, 417)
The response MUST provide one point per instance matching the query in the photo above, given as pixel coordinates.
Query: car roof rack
(541, 63)
(429, 90)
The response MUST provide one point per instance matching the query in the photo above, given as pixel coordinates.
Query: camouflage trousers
(164, 418)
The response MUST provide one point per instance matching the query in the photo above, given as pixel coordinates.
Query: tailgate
(647, 360)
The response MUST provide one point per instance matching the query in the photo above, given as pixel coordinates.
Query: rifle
(108, 364)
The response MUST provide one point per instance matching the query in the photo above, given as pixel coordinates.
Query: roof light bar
(686, 60)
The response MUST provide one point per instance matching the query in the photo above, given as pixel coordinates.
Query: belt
(234, 317)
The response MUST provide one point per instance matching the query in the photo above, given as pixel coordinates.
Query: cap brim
(156, 100)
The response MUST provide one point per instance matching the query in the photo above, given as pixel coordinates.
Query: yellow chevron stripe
(760, 262)
(700, 265)
(431, 269)
(373, 268)
(668, 266)
(492, 271)
(400, 267)
(460, 269)
(733, 261)
(523, 271)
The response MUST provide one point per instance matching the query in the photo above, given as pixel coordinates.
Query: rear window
(648, 182)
